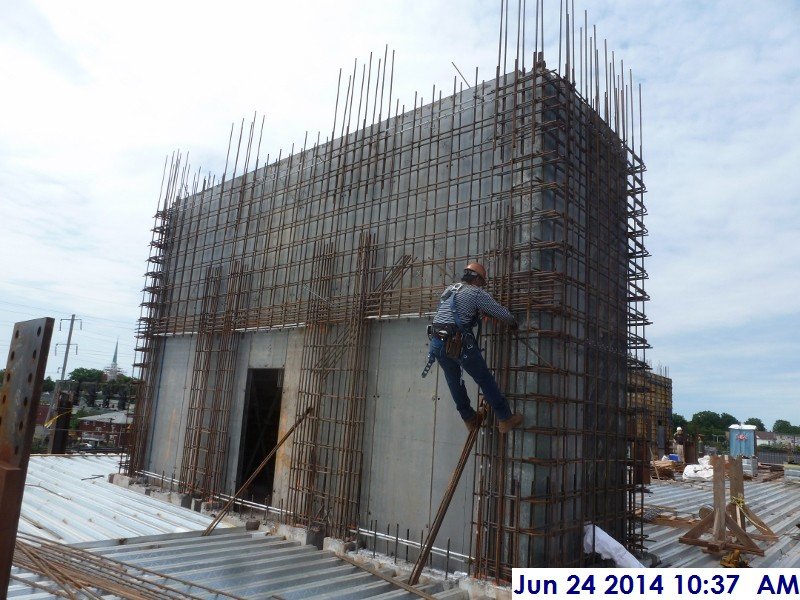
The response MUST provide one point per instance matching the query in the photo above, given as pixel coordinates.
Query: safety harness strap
(453, 308)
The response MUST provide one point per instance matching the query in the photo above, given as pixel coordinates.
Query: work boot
(474, 422)
(510, 423)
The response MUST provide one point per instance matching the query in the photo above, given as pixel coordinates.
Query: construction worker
(455, 347)
(680, 440)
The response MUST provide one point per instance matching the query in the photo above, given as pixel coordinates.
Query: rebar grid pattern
(650, 398)
(206, 440)
(535, 175)
(327, 456)
(567, 224)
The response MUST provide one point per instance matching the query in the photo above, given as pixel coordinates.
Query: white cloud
(101, 92)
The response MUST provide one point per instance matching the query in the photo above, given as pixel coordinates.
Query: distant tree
(679, 421)
(2, 375)
(76, 395)
(757, 422)
(726, 420)
(706, 421)
(91, 393)
(712, 426)
(81, 374)
(782, 426)
(118, 385)
(73, 421)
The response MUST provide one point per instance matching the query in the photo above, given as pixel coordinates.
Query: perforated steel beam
(19, 399)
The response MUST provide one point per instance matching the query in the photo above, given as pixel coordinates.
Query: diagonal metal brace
(258, 470)
(447, 498)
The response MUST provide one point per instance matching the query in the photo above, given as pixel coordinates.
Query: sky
(97, 94)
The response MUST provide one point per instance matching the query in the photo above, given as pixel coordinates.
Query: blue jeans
(471, 361)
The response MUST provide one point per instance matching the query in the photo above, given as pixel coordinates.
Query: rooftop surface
(124, 538)
(69, 499)
(775, 502)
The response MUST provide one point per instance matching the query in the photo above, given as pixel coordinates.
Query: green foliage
(726, 420)
(73, 422)
(712, 426)
(679, 421)
(757, 422)
(707, 420)
(120, 386)
(786, 428)
(781, 426)
(92, 375)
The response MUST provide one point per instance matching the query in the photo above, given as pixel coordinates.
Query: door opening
(262, 413)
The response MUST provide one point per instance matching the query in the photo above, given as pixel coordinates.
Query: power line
(93, 298)
(51, 310)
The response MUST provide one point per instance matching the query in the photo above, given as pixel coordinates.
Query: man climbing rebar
(455, 347)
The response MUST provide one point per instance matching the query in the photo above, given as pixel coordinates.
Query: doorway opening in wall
(262, 413)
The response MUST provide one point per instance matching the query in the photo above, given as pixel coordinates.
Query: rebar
(79, 573)
(535, 173)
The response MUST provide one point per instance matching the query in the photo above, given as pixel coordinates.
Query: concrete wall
(170, 407)
(413, 438)
(443, 184)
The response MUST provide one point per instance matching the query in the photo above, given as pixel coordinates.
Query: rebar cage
(536, 175)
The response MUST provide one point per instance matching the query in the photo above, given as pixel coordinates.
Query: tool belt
(451, 335)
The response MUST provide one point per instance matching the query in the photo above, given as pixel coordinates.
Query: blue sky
(97, 95)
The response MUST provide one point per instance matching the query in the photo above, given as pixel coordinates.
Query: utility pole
(69, 343)
(61, 405)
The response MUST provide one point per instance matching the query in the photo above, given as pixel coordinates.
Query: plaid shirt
(471, 301)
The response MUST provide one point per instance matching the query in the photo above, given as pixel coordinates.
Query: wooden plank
(699, 529)
(741, 535)
(718, 531)
(759, 524)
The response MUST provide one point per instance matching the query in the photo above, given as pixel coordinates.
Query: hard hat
(478, 269)
(680, 429)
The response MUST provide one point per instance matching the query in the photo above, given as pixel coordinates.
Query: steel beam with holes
(19, 399)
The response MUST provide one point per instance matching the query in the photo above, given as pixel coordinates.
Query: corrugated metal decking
(239, 564)
(69, 499)
(775, 502)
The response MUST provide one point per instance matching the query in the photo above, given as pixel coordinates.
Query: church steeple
(113, 371)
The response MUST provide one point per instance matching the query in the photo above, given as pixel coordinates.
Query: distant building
(112, 371)
(789, 439)
(766, 438)
(106, 429)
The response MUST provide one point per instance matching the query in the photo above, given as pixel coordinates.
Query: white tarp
(699, 472)
(608, 547)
